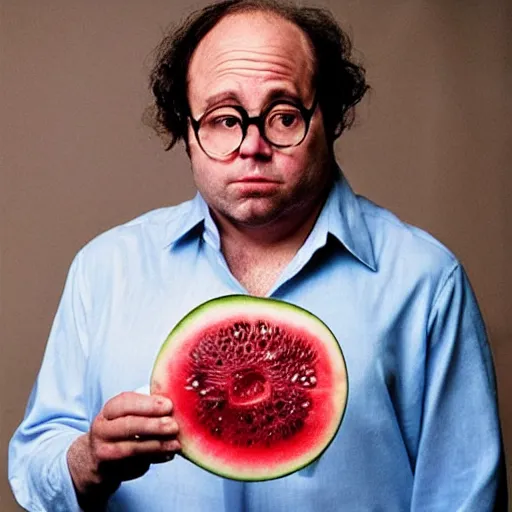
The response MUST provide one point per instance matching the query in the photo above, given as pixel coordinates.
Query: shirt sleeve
(56, 412)
(460, 461)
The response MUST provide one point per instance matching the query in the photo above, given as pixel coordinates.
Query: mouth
(255, 179)
(255, 186)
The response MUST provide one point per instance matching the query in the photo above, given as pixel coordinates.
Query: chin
(254, 220)
(256, 217)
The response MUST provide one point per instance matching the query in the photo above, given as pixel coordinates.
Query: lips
(255, 186)
(255, 179)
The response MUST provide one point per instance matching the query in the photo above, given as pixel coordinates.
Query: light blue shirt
(421, 429)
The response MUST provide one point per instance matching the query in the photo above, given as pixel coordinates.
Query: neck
(256, 255)
(290, 230)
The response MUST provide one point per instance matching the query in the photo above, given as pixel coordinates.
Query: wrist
(92, 489)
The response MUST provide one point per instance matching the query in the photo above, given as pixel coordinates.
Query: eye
(227, 121)
(223, 122)
(222, 118)
(283, 118)
(287, 120)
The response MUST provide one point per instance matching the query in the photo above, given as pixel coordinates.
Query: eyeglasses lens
(221, 131)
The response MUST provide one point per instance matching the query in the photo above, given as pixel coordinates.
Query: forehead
(250, 55)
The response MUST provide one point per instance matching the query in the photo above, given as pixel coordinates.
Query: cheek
(318, 141)
(196, 155)
(309, 162)
(318, 149)
(206, 174)
(199, 168)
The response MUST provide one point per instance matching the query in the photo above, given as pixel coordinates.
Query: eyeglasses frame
(259, 121)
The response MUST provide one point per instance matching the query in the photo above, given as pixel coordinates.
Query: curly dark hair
(339, 81)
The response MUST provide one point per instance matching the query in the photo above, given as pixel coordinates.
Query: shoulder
(155, 225)
(135, 240)
(401, 248)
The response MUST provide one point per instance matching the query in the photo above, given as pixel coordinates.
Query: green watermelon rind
(220, 305)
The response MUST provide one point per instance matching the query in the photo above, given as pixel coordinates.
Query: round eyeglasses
(221, 131)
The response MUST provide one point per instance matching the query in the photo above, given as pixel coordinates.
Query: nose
(254, 145)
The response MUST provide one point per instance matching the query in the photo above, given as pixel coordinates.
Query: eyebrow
(220, 98)
(232, 96)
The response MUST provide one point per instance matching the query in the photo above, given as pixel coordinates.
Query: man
(259, 92)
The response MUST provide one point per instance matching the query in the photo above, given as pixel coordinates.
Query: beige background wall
(433, 143)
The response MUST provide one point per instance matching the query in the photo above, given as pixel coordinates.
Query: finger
(128, 427)
(126, 449)
(137, 404)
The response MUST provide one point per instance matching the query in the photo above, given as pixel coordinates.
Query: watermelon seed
(312, 380)
(218, 404)
(295, 377)
(218, 362)
(305, 404)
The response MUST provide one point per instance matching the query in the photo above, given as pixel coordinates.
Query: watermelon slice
(259, 386)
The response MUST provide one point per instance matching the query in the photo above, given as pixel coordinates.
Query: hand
(130, 433)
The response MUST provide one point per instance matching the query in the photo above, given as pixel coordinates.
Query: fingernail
(164, 402)
(172, 446)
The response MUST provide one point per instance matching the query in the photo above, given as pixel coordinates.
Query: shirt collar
(191, 218)
(341, 216)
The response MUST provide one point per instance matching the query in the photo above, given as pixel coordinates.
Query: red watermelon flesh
(259, 386)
